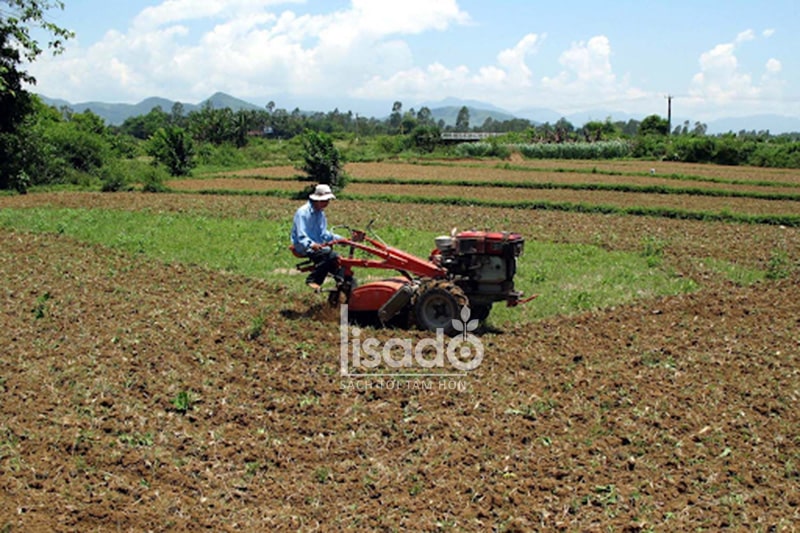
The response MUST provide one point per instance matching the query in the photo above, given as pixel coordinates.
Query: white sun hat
(322, 193)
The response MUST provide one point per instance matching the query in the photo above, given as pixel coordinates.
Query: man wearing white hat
(310, 233)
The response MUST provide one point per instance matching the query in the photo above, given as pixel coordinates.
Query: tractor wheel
(437, 304)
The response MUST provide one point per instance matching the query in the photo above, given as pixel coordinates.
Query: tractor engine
(483, 264)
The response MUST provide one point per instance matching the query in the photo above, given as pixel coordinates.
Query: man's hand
(315, 246)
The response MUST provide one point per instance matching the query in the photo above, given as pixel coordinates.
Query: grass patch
(735, 273)
(569, 278)
(572, 278)
(610, 187)
(543, 205)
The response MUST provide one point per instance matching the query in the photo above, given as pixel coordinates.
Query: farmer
(310, 233)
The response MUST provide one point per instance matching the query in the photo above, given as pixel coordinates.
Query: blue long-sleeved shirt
(310, 226)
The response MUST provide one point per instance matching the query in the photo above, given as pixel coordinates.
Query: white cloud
(773, 66)
(509, 77)
(747, 35)
(261, 49)
(171, 11)
(588, 79)
(723, 82)
(185, 48)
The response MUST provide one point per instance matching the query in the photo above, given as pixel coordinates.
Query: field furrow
(163, 367)
(671, 175)
(686, 202)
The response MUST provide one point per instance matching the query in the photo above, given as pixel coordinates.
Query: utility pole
(669, 114)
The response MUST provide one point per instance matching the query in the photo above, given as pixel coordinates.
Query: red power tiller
(472, 269)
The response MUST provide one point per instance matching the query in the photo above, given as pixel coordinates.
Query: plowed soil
(140, 396)
(687, 202)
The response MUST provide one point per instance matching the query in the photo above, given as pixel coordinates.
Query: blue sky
(716, 58)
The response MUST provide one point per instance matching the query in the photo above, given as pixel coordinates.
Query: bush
(224, 155)
(321, 160)
(483, 149)
(426, 138)
(153, 179)
(84, 151)
(173, 148)
(115, 177)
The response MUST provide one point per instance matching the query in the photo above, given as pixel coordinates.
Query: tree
(396, 118)
(145, 126)
(172, 147)
(17, 44)
(426, 138)
(176, 116)
(321, 160)
(425, 116)
(17, 17)
(462, 121)
(654, 125)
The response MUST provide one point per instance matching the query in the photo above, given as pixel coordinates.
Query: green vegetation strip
(551, 185)
(613, 187)
(594, 170)
(544, 205)
(569, 278)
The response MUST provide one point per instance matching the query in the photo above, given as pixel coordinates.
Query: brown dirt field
(620, 199)
(669, 414)
(491, 170)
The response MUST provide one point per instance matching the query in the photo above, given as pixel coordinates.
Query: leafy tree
(426, 138)
(462, 120)
(396, 118)
(177, 116)
(563, 130)
(17, 17)
(241, 125)
(597, 131)
(654, 125)
(173, 147)
(145, 126)
(409, 121)
(321, 160)
(425, 116)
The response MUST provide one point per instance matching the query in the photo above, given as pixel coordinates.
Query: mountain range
(116, 113)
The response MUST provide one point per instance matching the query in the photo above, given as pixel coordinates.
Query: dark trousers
(326, 261)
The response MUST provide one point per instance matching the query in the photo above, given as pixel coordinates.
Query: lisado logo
(438, 356)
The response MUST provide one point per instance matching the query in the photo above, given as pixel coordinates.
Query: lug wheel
(437, 305)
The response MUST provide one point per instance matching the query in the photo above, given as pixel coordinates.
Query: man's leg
(326, 261)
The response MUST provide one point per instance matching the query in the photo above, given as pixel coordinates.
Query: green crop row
(575, 207)
(596, 150)
(613, 187)
(602, 172)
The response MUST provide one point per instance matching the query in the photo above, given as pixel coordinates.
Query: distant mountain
(116, 114)
(471, 104)
(222, 100)
(446, 110)
(477, 116)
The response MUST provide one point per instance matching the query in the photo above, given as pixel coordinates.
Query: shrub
(321, 160)
(153, 179)
(172, 147)
(426, 138)
(114, 177)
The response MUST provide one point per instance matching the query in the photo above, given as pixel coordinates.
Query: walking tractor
(473, 269)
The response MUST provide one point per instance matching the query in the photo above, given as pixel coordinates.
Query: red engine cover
(371, 296)
(485, 242)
